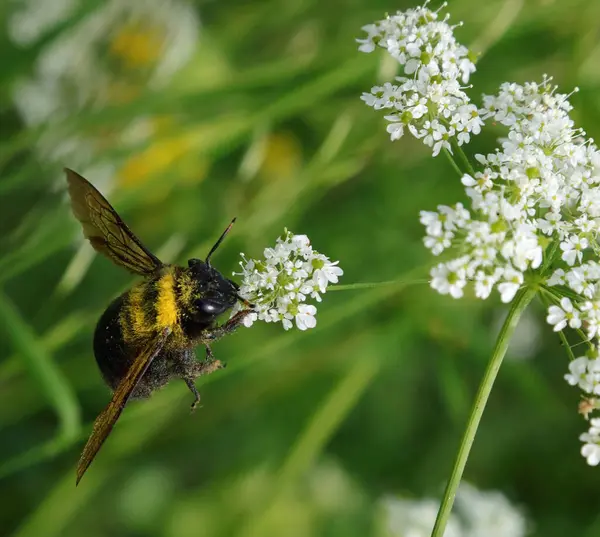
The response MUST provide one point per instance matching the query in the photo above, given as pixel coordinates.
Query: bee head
(216, 294)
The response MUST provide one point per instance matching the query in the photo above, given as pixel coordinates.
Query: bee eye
(209, 307)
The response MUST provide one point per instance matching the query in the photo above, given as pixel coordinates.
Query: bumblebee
(147, 336)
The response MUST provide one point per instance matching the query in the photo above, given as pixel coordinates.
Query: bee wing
(105, 230)
(109, 416)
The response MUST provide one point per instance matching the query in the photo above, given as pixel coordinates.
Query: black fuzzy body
(114, 356)
(174, 296)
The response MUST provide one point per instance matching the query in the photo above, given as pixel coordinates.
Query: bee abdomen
(110, 349)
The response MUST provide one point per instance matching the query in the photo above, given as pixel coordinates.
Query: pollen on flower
(280, 284)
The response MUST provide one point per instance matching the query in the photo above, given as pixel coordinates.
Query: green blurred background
(187, 114)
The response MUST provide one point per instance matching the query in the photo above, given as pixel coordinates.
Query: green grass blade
(48, 378)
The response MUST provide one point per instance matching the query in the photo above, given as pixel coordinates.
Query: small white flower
(590, 311)
(250, 319)
(577, 371)
(484, 283)
(279, 285)
(591, 452)
(566, 314)
(573, 249)
(584, 372)
(480, 183)
(557, 318)
(437, 244)
(512, 280)
(580, 281)
(447, 279)
(557, 278)
(432, 222)
(325, 272)
(305, 318)
(591, 449)
(395, 130)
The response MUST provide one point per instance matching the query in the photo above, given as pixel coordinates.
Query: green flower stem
(520, 303)
(558, 293)
(453, 162)
(464, 158)
(550, 256)
(370, 285)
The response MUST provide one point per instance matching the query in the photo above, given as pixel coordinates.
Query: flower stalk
(518, 306)
(455, 166)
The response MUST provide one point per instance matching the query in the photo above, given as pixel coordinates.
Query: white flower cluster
(584, 309)
(533, 205)
(428, 100)
(477, 513)
(584, 371)
(556, 191)
(279, 285)
(540, 188)
(538, 196)
(591, 447)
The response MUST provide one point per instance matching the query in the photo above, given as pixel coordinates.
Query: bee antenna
(218, 243)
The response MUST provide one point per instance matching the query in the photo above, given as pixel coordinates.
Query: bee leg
(211, 363)
(189, 369)
(190, 384)
(185, 366)
(230, 326)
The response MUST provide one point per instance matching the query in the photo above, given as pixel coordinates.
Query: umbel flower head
(535, 199)
(427, 99)
(279, 285)
(539, 189)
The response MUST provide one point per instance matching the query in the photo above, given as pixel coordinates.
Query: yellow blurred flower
(170, 151)
(281, 156)
(138, 44)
